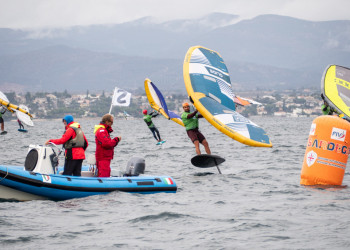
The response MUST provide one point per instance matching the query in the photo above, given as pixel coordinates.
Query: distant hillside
(266, 52)
(61, 67)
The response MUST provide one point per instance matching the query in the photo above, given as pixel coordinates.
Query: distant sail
(157, 102)
(208, 85)
(335, 86)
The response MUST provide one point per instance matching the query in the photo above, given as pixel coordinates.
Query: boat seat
(91, 160)
(87, 174)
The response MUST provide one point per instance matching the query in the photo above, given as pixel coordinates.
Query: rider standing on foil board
(148, 120)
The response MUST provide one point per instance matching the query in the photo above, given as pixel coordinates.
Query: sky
(33, 14)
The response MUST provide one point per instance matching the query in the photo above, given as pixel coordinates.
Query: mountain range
(266, 52)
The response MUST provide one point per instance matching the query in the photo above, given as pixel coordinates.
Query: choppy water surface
(256, 203)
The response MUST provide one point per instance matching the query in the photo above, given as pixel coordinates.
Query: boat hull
(18, 184)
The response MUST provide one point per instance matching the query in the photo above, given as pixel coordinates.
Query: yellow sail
(335, 86)
(157, 102)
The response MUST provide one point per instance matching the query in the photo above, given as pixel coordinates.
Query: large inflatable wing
(4, 102)
(24, 117)
(335, 86)
(208, 85)
(157, 102)
(11, 107)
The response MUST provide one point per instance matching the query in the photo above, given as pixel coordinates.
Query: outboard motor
(41, 159)
(135, 166)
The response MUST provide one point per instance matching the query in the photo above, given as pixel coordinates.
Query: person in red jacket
(75, 144)
(105, 145)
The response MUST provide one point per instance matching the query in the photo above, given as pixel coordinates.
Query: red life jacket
(104, 143)
(73, 153)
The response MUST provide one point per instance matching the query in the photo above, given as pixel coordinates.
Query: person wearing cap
(74, 143)
(105, 145)
(190, 121)
(148, 120)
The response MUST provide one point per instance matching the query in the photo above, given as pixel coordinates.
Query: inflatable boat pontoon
(40, 179)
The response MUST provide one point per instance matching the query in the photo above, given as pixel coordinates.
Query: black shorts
(1, 120)
(195, 135)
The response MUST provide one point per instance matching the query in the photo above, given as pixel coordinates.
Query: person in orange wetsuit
(74, 143)
(105, 145)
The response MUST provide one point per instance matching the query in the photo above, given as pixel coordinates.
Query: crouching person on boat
(105, 145)
(75, 144)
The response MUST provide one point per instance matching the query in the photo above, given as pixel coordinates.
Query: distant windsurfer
(190, 121)
(20, 124)
(2, 111)
(148, 120)
(126, 115)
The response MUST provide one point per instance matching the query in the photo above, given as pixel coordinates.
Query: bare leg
(196, 144)
(206, 146)
(2, 126)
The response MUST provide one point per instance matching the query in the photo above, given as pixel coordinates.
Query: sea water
(256, 203)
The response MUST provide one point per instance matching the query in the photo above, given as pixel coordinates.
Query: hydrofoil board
(160, 142)
(207, 161)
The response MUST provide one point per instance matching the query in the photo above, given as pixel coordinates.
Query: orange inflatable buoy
(327, 151)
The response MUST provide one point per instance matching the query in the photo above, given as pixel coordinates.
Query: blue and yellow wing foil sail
(335, 86)
(157, 102)
(208, 85)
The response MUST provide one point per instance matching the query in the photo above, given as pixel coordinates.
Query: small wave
(203, 174)
(162, 216)
(277, 237)
(248, 226)
(22, 239)
(220, 203)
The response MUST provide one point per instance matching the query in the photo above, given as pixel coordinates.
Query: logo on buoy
(313, 129)
(338, 134)
(311, 157)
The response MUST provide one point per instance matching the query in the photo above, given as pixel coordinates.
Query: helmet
(144, 111)
(185, 104)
